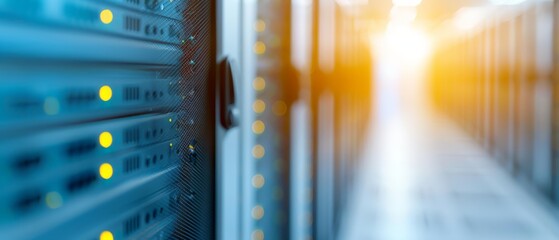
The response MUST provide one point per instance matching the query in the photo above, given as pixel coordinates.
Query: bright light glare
(301, 2)
(404, 43)
(406, 3)
(469, 18)
(507, 2)
(352, 2)
(403, 14)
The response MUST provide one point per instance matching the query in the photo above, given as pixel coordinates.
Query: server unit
(104, 128)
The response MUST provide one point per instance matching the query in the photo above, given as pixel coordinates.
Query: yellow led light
(259, 106)
(259, 48)
(106, 139)
(106, 16)
(51, 106)
(258, 181)
(170, 120)
(53, 200)
(105, 93)
(257, 212)
(280, 108)
(258, 127)
(258, 235)
(259, 84)
(258, 151)
(260, 26)
(106, 171)
(106, 235)
(170, 145)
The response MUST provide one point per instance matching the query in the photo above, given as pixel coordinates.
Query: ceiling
(438, 10)
(428, 10)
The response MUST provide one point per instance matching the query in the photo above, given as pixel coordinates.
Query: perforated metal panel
(104, 124)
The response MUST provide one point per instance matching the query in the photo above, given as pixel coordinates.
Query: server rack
(341, 78)
(354, 63)
(257, 190)
(274, 93)
(503, 95)
(104, 129)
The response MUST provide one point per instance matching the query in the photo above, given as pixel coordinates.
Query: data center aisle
(426, 179)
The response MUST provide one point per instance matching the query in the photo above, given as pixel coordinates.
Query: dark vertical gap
(315, 76)
(555, 108)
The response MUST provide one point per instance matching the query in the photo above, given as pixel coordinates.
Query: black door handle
(228, 111)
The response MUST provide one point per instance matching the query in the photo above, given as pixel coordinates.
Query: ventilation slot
(131, 164)
(132, 93)
(28, 201)
(132, 135)
(81, 181)
(26, 163)
(80, 97)
(131, 225)
(132, 24)
(26, 104)
(81, 147)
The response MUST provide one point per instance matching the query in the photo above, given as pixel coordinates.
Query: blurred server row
(253, 164)
(301, 126)
(340, 98)
(497, 82)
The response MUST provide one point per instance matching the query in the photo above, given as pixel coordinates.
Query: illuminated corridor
(425, 179)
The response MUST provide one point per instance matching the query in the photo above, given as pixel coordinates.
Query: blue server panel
(271, 126)
(104, 128)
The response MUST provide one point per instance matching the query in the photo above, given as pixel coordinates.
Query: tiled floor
(425, 179)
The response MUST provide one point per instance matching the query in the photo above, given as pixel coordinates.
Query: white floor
(426, 179)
